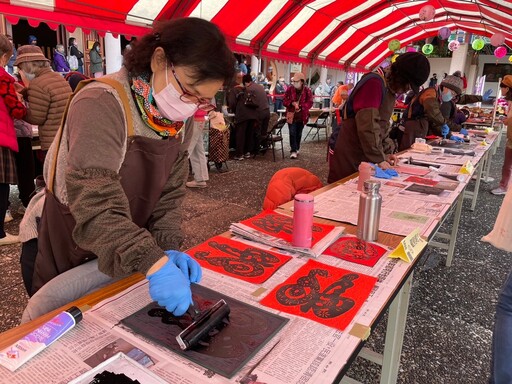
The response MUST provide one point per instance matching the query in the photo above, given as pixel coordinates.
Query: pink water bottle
(303, 208)
(365, 173)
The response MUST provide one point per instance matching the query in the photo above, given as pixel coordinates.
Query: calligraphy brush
(202, 323)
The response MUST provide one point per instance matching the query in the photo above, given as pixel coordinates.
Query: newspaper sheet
(247, 232)
(315, 357)
(399, 214)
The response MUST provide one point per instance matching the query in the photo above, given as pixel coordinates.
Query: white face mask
(30, 76)
(297, 85)
(170, 104)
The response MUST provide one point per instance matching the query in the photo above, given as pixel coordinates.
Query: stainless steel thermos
(370, 202)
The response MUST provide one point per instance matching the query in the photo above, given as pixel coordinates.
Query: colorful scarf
(143, 93)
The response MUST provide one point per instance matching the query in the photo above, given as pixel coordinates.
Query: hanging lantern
(410, 48)
(444, 33)
(497, 39)
(394, 45)
(500, 52)
(427, 12)
(477, 44)
(453, 45)
(393, 59)
(427, 49)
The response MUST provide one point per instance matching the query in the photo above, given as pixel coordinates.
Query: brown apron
(144, 172)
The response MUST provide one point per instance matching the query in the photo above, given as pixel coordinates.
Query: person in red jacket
(11, 108)
(298, 100)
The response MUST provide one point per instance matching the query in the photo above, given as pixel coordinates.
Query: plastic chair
(274, 136)
(320, 123)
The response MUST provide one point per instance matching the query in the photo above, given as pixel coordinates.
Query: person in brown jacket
(46, 92)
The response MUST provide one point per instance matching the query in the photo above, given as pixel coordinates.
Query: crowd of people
(94, 207)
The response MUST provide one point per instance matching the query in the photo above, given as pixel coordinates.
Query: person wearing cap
(298, 100)
(32, 40)
(423, 116)
(449, 108)
(367, 112)
(506, 169)
(45, 91)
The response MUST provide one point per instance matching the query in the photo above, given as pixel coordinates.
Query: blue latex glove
(487, 95)
(464, 132)
(187, 265)
(391, 172)
(445, 130)
(457, 139)
(380, 173)
(170, 288)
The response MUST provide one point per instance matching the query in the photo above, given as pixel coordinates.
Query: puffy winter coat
(288, 182)
(47, 96)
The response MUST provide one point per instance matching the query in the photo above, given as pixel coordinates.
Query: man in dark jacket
(366, 114)
(250, 120)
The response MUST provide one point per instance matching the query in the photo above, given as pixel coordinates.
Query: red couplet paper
(355, 250)
(281, 226)
(421, 180)
(239, 260)
(329, 295)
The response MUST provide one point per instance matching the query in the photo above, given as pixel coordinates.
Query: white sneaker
(499, 191)
(8, 216)
(196, 184)
(9, 239)
(293, 155)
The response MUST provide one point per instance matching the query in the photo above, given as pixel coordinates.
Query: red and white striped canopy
(343, 33)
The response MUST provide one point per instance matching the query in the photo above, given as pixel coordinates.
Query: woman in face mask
(120, 171)
(96, 61)
(298, 100)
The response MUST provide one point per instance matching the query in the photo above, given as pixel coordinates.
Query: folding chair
(274, 135)
(320, 123)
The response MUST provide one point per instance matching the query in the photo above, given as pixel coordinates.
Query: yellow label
(410, 247)
(467, 168)
(484, 143)
(488, 130)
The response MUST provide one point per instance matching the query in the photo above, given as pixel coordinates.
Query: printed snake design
(306, 293)
(275, 223)
(250, 262)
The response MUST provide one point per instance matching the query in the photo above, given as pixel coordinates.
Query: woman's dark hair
(96, 44)
(190, 42)
(71, 41)
(246, 79)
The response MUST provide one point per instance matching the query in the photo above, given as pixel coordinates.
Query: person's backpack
(73, 62)
(250, 101)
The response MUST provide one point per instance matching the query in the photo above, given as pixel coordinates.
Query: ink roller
(202, 323)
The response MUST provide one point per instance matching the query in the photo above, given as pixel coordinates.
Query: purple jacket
(60, 62)
(305, 102)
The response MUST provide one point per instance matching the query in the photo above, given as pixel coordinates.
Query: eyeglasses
(187, 97)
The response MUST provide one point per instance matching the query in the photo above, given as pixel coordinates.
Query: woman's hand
(392, 160)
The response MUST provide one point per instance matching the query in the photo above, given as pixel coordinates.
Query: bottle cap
(76, 313)
(371, 185)
(304, 198)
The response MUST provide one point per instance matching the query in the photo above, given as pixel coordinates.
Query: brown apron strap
(58, 137)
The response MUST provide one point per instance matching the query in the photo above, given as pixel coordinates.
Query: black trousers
(25, 169)
(4, 203)
(27, 261)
